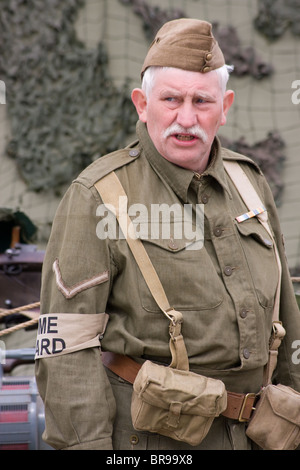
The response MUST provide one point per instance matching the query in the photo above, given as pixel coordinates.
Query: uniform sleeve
(288, 365)
(79, 403)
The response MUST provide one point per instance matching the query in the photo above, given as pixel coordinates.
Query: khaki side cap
(187, 44)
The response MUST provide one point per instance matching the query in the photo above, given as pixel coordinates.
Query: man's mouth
(189, 134)
(185, 137)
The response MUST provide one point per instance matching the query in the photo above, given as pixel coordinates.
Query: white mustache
(196, 130)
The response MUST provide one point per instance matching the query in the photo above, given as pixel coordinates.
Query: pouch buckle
(248, 395)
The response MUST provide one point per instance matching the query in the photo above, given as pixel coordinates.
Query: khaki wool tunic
(225, 291)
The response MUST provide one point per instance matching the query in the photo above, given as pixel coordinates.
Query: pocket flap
(254, 229)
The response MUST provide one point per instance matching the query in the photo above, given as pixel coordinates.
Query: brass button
(206, 69)
(243, 313)
(218, 231)
(246, 353)
(172, 244)
(204, 198)
(134, 152)
(134, 439)
(208, 56)
(228, 270)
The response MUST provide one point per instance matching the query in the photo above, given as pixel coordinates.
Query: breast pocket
(186, 273)
(260, 255)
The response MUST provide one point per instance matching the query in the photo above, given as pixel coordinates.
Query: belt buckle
(248, 395)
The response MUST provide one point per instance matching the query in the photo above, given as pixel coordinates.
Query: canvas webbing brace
(112, 198)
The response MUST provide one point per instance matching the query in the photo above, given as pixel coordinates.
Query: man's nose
(186, 115)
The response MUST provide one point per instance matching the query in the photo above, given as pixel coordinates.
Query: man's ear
(140, 102)
(227, 102)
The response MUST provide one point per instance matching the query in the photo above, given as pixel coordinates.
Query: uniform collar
(178, 178)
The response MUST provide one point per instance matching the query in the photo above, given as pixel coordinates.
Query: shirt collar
(178, 178)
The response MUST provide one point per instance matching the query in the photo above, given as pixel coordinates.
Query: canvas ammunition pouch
(275, 424)
(173, 401)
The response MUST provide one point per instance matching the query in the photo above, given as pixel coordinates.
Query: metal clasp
(248, 395)
(278, 329)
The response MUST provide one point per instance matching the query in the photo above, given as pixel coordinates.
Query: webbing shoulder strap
(113, 195)
(253, 201)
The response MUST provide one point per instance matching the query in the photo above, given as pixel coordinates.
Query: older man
(225, 286)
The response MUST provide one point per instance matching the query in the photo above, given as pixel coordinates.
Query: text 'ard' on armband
(63, 333)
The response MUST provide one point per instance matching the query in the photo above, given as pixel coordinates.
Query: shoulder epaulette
(108, 163)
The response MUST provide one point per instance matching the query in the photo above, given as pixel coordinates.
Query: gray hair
(150, 74)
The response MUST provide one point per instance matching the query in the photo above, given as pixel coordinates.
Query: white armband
(64, 333)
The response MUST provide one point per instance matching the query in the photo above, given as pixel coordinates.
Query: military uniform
(225, 291)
